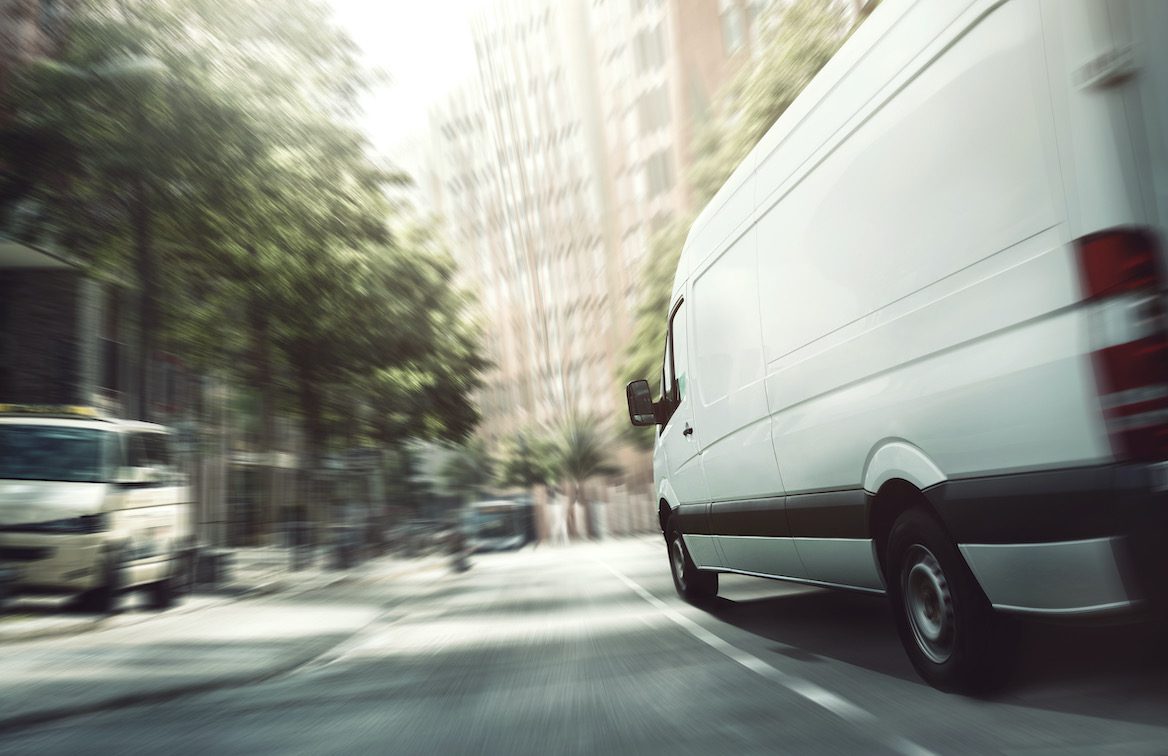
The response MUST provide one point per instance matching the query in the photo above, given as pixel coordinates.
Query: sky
(425, 48)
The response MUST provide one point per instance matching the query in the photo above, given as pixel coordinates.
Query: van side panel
(730, 405)
(920, 274)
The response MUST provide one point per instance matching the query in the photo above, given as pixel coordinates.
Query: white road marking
(816, 694)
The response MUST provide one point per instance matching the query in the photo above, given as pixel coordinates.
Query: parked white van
(92, 506)
(916, 344)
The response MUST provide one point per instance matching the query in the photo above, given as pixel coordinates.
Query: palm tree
(582, 454)
(529, 461)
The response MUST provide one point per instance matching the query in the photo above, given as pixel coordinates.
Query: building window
(649, 50)
(659, 173)
(733, 34)
(653, 110)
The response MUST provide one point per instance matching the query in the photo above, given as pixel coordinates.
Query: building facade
(552, 168)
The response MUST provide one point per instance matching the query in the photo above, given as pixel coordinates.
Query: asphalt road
(586, 649)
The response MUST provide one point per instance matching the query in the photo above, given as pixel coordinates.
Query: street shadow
(1116, 671)
(853, 628)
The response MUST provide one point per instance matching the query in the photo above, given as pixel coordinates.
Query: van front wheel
(161, 595)
(953, 637)
(104, 598)
(694, 585)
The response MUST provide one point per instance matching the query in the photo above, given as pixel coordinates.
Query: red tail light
(1122, 277)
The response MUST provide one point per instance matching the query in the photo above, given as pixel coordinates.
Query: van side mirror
(640, 399)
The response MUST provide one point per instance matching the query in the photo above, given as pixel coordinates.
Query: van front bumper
(1066, 543)
(52, 563)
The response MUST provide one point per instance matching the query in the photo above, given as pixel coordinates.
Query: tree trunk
(149, 314)
(315, 509)
(261, 357)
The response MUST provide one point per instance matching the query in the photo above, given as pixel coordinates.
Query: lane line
(806, 689)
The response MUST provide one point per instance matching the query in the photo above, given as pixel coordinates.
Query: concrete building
(661, 63)
(520, 186)
(553, 166)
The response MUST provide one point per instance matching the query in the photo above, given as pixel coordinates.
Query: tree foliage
(202, 152)
(529, 460)
(581, 451)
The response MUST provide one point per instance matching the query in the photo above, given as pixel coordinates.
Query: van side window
(680, 342)
(673, 369)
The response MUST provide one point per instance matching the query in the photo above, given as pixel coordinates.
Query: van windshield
(45, 452)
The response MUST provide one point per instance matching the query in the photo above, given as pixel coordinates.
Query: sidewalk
(253, 572)
(210, 642)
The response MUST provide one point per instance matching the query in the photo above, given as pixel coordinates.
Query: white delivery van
(916, 344)
(92, 507)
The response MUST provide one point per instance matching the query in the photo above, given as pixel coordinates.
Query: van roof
(849, 55)
(65, 421)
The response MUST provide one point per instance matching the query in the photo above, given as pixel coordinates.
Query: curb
(71, 628)
(79, 626)
(11, 725)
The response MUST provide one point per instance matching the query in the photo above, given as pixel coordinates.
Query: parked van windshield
(40, 452)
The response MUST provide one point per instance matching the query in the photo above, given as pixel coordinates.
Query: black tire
(105, 598)
(694, 585)
(163, 594)
(952, 635)
(184, 583)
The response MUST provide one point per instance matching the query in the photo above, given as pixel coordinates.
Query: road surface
(585, 649)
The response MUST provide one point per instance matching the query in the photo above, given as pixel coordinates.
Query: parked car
(916, 344)
(92, 506)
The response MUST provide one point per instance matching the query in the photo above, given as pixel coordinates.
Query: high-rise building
(551, 169)
(661, 63)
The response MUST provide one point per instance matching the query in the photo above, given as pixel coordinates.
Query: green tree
(582, 453)
(528, 460)
(204, 153)
(155, 119)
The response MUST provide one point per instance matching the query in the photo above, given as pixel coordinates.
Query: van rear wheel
(694, 585)
(952, 635)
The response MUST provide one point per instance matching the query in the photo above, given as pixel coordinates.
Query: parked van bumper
(1066, 543)
(49, 563)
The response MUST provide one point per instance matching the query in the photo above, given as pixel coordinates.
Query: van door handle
(688, 430)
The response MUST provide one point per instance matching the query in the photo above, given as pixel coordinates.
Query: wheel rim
(677, 561)
(928, 603)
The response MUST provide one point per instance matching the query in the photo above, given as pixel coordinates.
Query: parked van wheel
(694, 585)
(162, 595)
(184, 579)
(104, 599)
(953, 637)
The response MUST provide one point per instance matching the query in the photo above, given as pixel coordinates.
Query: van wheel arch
(894, 498)
(664, 512)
